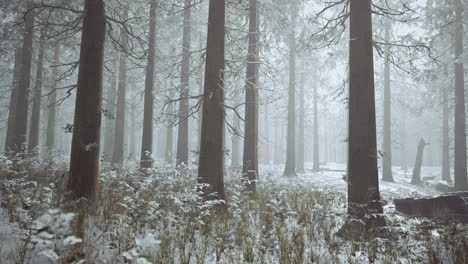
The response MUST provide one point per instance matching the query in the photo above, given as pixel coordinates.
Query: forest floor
(158, 217)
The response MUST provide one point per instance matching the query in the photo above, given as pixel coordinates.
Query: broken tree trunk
(452, 206)
(417, 166)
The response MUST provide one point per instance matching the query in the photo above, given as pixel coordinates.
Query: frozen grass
(158, 217)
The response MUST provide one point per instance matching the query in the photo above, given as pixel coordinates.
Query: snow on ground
(330, 178)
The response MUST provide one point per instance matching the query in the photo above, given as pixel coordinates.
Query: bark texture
(445, 137)
(461, 181)
(300, 139)
(84, 164)
(148, 111)
(416, 179)
(33, 140)
(250, 157)
(387, 135)
(363, 181)
(182, 132)
(11, 131)
(119, 134)
(18, 143)
(111, 98)
(290, 167)
(52, 110)
(316, 157)
(211, 164)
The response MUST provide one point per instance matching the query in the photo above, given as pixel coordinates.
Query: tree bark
(387, 136)
(84, 165)
(33, 141)
(11, 130)
(461, 181)
(200, 91)
(445, 138)
(21, 111)
(211, 164)
(119, 135)
(148, 112)
(403, 158)
(182, 132)
(235, 142)
(316, 157)
(416, 179)
(250, 157)
(290, 168)
(170, 124)
(52, 111)
(111, 109)
(363, 181)
(300, 145)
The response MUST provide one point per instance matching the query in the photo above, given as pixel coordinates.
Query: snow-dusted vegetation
(158, 217)
(233, 131)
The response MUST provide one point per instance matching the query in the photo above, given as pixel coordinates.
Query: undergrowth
(157, 216)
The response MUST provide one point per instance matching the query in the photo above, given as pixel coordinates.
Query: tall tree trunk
(445, 138)
(461, 181)
(111, 108)
(416, 179)
(133, 131)
(84, 165)
(21, 111)
(211, 164)
(235, 148)
(170, 126)
(316, 157)
(387, 136)
(250, 158)
(52, 111)
(119, 136)
(300, 145)
(33, 141)
(11, 130)
(363, 180)
(200, 91)
(182, 132)
(290, 168)
(403, 156)
(147, 139)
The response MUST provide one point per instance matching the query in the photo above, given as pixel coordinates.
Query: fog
(213, 131)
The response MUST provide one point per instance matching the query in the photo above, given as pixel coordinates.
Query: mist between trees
(353, 104)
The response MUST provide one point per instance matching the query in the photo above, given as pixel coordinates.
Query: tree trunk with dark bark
(363, 179)
(33, 140)
(387, 135)
(119, 134)
(250, 157)
(182, 132)
(148, 112)
(18, 143)
(290, 167)
(211, 164)
(11, 131)
(52, 110)
(416, 179)
(460, 167)
(84, 160)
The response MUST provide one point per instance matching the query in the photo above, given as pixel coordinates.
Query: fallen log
(447, 206)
